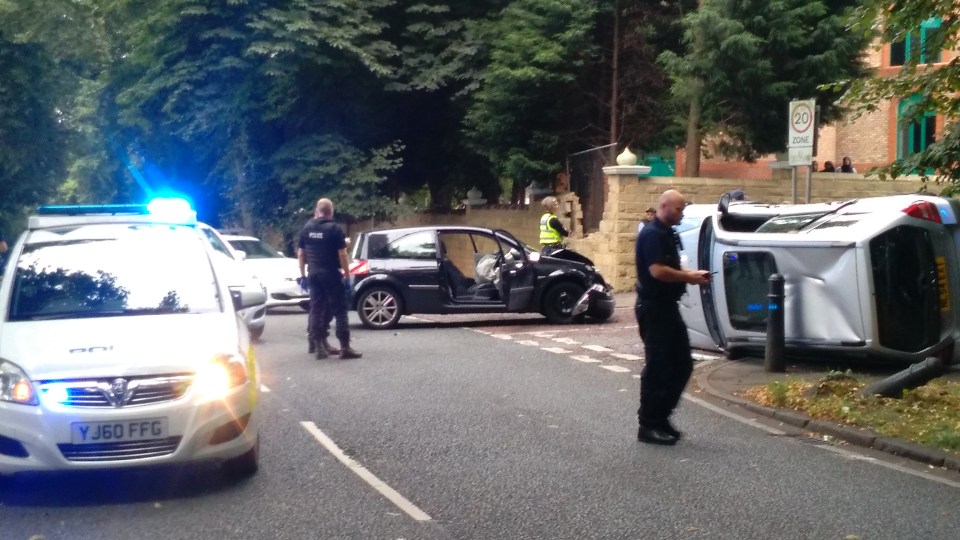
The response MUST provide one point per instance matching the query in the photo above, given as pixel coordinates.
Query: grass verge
(928, 415)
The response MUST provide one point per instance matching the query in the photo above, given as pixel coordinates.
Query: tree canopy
(745, 60)
(30, 172)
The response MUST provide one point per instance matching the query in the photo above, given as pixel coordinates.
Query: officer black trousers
(327, 298)
(668, 361)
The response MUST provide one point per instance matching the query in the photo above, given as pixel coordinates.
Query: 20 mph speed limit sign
(802, 118)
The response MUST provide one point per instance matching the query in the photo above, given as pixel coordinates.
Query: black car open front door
(518, 277)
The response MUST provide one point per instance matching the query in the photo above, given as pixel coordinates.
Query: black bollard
(773, 356)
(914, 376)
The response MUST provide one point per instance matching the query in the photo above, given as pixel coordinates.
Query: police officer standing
(323, 248)
(552, 231)
(660, 284)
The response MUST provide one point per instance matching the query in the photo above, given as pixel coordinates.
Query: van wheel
(559, 300)
(379, 308)
(255, 333)
(245, 465)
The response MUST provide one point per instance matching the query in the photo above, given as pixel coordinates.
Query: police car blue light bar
(161, 210)
(91, 209)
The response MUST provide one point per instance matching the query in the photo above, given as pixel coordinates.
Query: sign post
(800, 139)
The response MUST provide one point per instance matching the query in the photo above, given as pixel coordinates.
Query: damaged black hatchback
(457, 269)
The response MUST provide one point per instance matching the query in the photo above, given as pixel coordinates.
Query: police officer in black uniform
(660, 284)
(323, 249)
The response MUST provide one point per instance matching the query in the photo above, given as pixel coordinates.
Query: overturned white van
(874, 278)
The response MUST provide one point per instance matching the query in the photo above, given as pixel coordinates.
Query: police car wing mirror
(724, 205)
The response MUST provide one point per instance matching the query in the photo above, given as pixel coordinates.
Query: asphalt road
(474, 428)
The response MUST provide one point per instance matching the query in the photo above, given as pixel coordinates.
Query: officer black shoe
(655, 436)
(668, 428)
(311, 346)
(347, 353)
(331, 350)
(320, 352)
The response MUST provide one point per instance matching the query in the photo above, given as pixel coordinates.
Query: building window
(916, 132)
(916, 44)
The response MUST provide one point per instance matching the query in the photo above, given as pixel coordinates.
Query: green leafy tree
(68, 50)
(932, 90)
(518, 116)
(216, 90)
(626, 84)
(31, 135)
(747, 59)
(423, 104)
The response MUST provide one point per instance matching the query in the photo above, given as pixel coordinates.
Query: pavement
(727, 379)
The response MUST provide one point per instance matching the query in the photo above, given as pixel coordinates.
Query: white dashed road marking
(557, 350)
(502, 336)
(597, 348)
(616, 369)
(625, 356)
(528, 342)
(397, 499)
(263, 388)
(566, 341)
(585, 359)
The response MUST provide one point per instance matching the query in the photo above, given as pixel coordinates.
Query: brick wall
(867, 140)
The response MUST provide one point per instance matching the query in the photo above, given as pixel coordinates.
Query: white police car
(121, 346)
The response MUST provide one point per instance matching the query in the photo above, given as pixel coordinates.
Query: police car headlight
(223, 373)
(15, 387)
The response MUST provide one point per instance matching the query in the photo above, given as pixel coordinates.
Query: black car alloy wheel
(379, 308)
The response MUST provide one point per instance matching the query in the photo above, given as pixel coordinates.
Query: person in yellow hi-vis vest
(552, 231)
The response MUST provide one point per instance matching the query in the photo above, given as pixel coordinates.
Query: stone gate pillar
(614, 254)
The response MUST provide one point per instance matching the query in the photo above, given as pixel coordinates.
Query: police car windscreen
(112, 270)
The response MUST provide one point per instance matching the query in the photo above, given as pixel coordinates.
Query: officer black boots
(323, 349)
(328, 347)
(347, 353)
(318, 349)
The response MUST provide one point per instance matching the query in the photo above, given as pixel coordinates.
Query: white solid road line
(391, 494)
